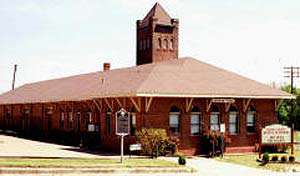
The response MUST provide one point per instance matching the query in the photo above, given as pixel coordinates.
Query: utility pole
(14, 77)
(292, 72)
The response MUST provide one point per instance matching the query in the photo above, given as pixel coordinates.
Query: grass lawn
(250, 159)
(74, 162)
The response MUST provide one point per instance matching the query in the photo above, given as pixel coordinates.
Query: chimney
(106, 66)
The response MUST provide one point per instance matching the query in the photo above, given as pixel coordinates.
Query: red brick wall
(153, 53)
(157, 117)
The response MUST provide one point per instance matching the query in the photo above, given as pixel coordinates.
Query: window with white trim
(132, 123)
(165, 44)
(159, 46)
(144, 44)
(171, 44)
(195, 121)
(90, 117)
(108, 122)
(141, 45)
(62, 119)
(174, 126)
(233, 121)
(70, 114)
(251, 113)
(215, 119)
(148, 43)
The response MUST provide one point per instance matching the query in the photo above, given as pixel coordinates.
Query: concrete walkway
(211, 167)
(13, 146)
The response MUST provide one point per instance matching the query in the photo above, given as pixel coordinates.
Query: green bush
(291, 159)
(283, 159)
(181, 160)
(155, 142)
(211, 139)
(266, 157)
(274, 158)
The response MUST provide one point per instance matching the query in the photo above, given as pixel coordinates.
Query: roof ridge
(159, 12)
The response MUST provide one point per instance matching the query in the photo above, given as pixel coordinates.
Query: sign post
(276, 134)
(122, 127)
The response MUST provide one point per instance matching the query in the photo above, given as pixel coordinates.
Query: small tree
(155, 141)
(150, 139)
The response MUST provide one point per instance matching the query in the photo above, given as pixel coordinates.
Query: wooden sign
(122, 122)
(276, 134)
(219, 100)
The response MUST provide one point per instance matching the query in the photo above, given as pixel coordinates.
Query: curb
(107, 170)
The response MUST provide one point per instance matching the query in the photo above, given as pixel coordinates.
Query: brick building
(182, 95)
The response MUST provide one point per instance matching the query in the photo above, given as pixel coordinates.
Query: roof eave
(216, 96)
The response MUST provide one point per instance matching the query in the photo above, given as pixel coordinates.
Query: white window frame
(214, 124)
(253, 113)
(90, 117)
(233, 125)
(173, 125)
(171, 45)
(194, 114)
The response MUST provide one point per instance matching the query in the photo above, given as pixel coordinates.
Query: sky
(57, 38)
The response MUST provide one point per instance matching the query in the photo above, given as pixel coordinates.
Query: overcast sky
(55, 38)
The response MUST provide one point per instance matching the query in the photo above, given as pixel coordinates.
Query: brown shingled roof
(185, 77)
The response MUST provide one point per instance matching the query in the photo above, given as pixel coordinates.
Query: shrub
(155, 142)
(266, 158)
(291, 159)
(283, 159)
(213, 139)
(269, 149)
(274, 158)
(181, 160)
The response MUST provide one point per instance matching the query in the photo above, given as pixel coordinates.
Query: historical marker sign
(122, 122)
(276, 134)
(122, 127)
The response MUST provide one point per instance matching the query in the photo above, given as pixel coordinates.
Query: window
(174, 120)
(90, 117)
(70, 119)
(8, 116)
(27, 111)
(233, 120)
(62, 120)
(159, 43)
(215, 119)
(108, 122)
(251, 120)
(195, 121)
(165, 46)
(8, 112)
(141, 45)
(144, 44)
(148, 43)
(132, 123)
(171, 44)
